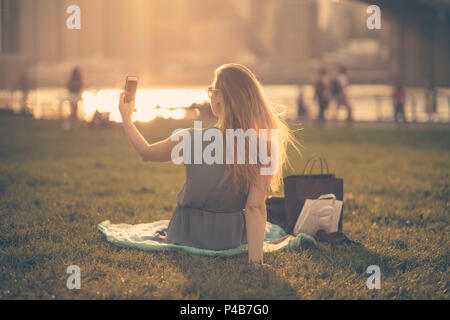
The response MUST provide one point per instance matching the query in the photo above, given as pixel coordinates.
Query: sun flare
(150, 103)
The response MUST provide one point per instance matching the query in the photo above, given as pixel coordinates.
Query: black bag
(298, 188)
(276, 211)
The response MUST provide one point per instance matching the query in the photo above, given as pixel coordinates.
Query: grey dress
(207, 215)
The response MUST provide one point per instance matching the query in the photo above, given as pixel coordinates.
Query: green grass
(56, 186)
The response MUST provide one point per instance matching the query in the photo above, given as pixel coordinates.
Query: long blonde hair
(246, 107)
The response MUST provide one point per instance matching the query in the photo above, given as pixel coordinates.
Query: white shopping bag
(321, 213)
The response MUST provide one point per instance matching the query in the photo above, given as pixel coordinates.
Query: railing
(370, 107)
(381, 108)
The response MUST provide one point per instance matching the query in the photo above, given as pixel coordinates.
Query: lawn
(56, 186)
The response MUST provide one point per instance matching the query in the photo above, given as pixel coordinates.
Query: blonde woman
(222, 205)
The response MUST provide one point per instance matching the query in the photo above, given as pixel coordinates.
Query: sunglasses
(211, 90)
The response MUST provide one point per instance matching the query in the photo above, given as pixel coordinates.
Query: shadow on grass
(223, 278)
(356, 260)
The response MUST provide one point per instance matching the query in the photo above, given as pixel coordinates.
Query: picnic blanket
(145, 237)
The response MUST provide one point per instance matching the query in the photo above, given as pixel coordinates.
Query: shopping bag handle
(315, 158)
(328, 196)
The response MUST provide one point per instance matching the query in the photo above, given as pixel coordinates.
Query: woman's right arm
(159, 151)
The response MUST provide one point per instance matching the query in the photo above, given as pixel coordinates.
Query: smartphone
(130, 87)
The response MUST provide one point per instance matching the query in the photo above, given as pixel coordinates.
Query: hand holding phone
(127, 97)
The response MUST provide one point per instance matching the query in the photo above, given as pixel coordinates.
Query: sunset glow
(150, 103)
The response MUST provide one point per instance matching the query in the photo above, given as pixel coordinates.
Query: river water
(369, 102)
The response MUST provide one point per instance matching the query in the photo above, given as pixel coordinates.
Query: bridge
(285, 41)
(422, 51)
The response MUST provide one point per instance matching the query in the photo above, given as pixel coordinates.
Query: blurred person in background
(430, 101)
(23, 85)
(398, 99)
(322, 94)
(74, 86)
(100, 120)
(339, 91)
(302, 110)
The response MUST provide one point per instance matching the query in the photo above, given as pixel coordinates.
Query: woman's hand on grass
(126, 109)
(259, 265)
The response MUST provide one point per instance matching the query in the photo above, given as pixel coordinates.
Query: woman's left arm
(256, 218)
(159, 151)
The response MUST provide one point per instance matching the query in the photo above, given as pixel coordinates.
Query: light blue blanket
(145, 236)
